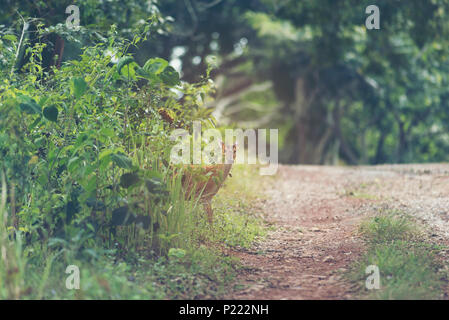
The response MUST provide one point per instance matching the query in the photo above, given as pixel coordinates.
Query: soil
(315, 212)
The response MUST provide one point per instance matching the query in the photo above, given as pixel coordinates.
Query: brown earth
(315, 212)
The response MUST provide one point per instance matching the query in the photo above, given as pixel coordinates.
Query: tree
(366, 95)
(335, 89)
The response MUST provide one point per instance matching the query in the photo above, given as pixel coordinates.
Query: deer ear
(223, 147)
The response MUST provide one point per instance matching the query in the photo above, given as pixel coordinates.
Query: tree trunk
(311, 132)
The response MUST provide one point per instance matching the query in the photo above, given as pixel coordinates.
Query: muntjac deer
(204, 181)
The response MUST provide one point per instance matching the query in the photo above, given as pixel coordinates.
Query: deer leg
(208, 208)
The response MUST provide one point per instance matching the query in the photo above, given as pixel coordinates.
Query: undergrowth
(409, 265)
(87, 180)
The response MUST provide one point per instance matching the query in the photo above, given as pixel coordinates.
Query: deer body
(204, 181)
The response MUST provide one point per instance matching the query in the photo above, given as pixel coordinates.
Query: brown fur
(204, 181)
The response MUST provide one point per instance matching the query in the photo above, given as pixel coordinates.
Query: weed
(408, 264)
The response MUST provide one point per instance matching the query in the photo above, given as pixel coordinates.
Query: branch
(221, 104)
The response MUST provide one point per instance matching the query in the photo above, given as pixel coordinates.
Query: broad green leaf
(107, 132)
(105, 153)
(79, 87)
(155, 65)
(71, 209)
(43, 100)
(51, 113)
(170, 76)
(123, 62)
(129, 179)
(147, 75)
(122, 216)
(89, 184)
(29, 106)
(35, 122)
(122, 160)
(10, 37)
(96, 204)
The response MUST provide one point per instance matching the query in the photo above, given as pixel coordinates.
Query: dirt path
(315, 212)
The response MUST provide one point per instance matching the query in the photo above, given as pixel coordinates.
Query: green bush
(86, 151)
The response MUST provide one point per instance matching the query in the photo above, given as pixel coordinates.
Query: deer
(204, 181)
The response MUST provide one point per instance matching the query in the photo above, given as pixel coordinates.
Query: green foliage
(331, 76)
(83, 150)
(102, 138)
(85, 154)
(51, 113)
(408, 263)
(236, 223)
(387, 228)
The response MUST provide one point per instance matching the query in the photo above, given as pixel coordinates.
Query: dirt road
(315, 212)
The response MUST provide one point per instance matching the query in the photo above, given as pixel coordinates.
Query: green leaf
(176, 253)
(154, 185)
(122, 216)
(51, 113)
(107, 132)
(73, 164)
(10, 37)
(29, 105)
(71, 209)
(129, 72)
(35, 122)
(122, 160)
(129, 179)
(123, 62)
(170, 76)
(143, 73)
(143, 221)
(43, 179)
(154, 174)
(105, 153)
(147, 75)
(97, 205)
(155, 65)
(79, 87)
(89, 184)
(43, 100)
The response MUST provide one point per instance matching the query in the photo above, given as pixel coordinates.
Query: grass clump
(408, 264)
(237, 222)
(389, 228)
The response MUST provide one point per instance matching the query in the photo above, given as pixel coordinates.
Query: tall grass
(173, 219)
(177, 222)
(12, 261)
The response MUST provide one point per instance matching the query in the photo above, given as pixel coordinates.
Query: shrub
(85, 149)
